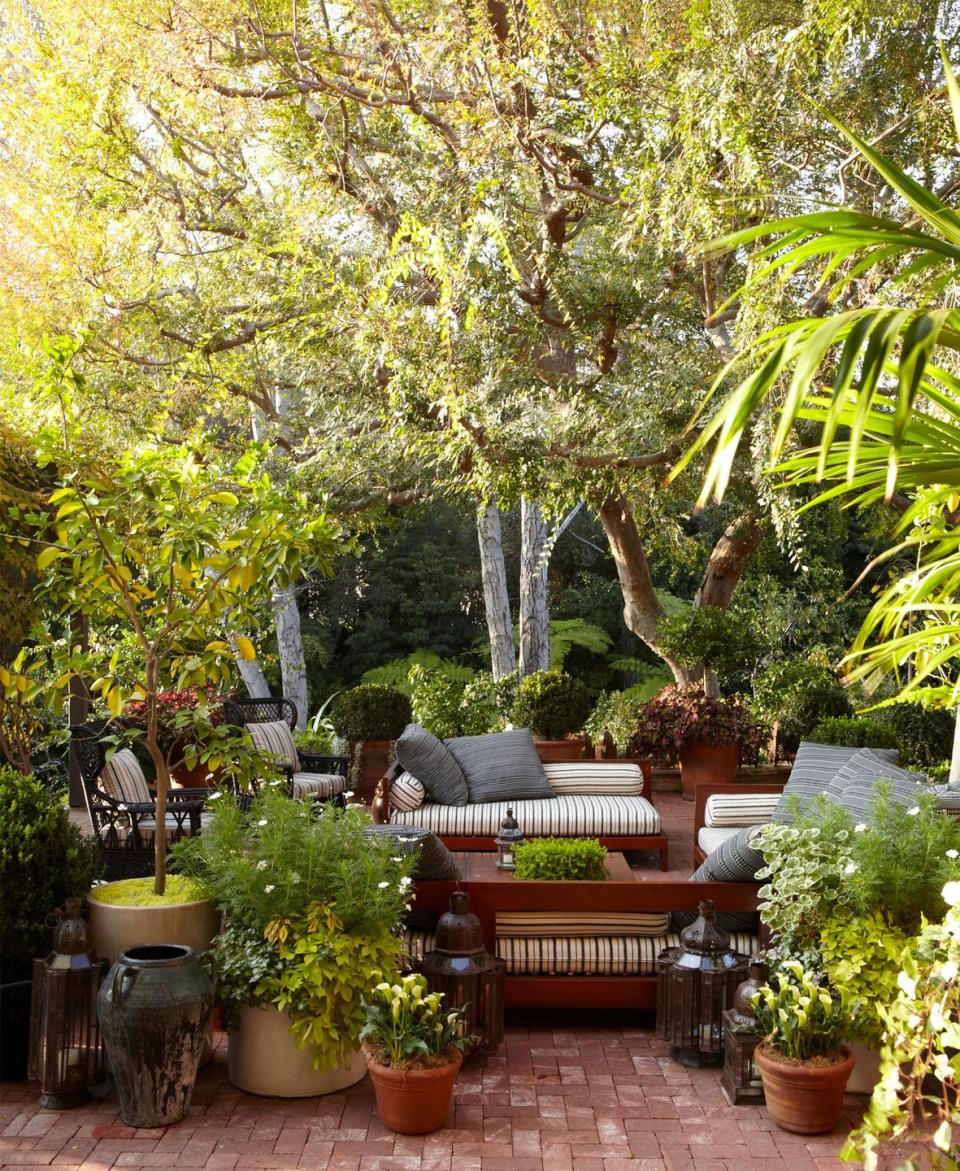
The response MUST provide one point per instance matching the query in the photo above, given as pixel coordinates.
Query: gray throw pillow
(854, 786)
(734, 860)
(814, 768)
(503, 766)
(434, 860)
(434, 766)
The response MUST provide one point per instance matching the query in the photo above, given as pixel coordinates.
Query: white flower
(859, 827)
(405, 882)
(850, 868)
(268, 888)
(396, 859)
(262, 821)
(261, 865)
(294, 878)
(383, 885)
(914, 811)
(953, 854)
(348, 793)
(214, 796)
(951, 893)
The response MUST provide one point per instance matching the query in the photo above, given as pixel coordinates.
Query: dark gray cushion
(434, 860)
(503, 766)
(854, 786)
(433, 764)
(734, 860)
(814, 768)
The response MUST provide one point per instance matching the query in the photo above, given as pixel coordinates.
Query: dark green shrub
(551, 705)
(44, 859)
(371, 711)
(561, 858)
(925, 734)
(796, 695)
(852, 732)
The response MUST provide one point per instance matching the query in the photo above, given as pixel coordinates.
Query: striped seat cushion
(580, 924)
(568, 816)
(274, 738)
(814, 768)
(319, 786)
(407, 793)
(711, 837)
(122, 779)
(739, 809)
(594, 777)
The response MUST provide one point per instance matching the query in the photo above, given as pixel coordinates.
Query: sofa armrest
(703, 792)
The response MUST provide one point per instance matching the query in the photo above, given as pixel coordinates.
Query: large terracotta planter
(198, 777)
(375, 759)
(560, 750)
(263, 1058)
(804, 1099)
(702, 763)
(414, 1101)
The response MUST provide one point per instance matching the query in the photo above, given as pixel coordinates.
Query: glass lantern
(507, 841)
(741, 1082)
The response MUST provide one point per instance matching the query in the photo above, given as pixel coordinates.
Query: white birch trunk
(252, 675)
(496, 597)
(293, 667)
(534, 616)
(954, 779)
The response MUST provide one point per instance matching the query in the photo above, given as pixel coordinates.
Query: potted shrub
(311, 905)
(413, 1050)
(553, 706)
(561, 859)
(802, 1061)
(44, 859)
(706, 734)
(370, 716)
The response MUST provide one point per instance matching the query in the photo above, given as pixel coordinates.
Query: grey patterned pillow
(503, 766)
(734, 860)
(814, 769)
(434, 859)
(431, 762)
(854, 786)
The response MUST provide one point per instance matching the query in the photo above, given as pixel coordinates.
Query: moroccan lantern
(695, 984)
(468, 975)
(507, 841)
(66, 1052)
(740, 1081)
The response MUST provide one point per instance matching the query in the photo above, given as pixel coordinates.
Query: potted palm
(706, 734)
(311, 905)
(802, 1061)
(413, 1050)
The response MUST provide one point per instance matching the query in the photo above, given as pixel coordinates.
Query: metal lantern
(468, 975)
(696, 982)
(741, 1035)
(507, 841)
(66, 1052)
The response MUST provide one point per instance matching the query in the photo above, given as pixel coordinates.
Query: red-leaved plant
(678, 716)
(175, 730)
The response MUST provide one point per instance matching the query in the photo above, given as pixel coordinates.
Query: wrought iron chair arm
(323, 762)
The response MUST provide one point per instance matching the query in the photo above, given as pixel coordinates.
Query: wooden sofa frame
(704, 791)
(656, 842)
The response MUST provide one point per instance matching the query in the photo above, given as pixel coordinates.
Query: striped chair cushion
(416, 944)
(319, 786)
(566, 816)
(611, 955)
(580, 924)
(711, 837)
(589, 777)
(501, 766)
(274, 738)
(122, 778)
(739, 808)
(407, 793)
(814, 768)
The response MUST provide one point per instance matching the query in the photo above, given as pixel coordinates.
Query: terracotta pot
(702, 763)
(414, 1101)
(375, 759)
(804, 1099)
(558, 750)
(198, 777)
(263, 1058)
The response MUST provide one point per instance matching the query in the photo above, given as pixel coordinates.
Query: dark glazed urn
(154, 1007)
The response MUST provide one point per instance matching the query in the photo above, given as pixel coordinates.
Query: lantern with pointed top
(507, 841)
(741, 1035)
(66, 1052)
(696, 983)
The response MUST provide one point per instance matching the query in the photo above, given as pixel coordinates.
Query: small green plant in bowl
(561, 858)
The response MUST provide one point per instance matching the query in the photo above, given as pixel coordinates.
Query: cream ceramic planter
(112, 929)
(262, 1058)
(866, 1069)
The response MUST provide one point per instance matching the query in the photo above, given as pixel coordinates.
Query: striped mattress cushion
(594, 777)
(711, 837)
(739, 809)
(318, 786)
(567, 816)
(407, 793)
(273, 738)
(580, 924)
(122, 779)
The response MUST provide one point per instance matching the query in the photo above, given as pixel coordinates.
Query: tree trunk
(496, 598)
(954, 778)
(728, 560)
(293, 667)
(252, 675)
(534, 615)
